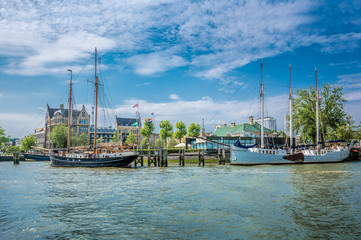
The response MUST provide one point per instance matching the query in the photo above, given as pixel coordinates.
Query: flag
(150, 120)
(135, 124)
(136, 105)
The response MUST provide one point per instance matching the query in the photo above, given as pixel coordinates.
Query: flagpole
(154, 127)
(139, 124)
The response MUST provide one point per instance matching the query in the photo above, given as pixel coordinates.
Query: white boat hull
(241, 156)
(244, 156)
(336, 155)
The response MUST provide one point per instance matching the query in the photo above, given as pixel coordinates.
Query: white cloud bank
(212, 37)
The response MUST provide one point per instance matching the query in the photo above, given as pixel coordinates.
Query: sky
(181, 60)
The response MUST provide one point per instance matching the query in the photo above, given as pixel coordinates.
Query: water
(212, 202)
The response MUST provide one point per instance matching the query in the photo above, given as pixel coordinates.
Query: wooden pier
(161, 157)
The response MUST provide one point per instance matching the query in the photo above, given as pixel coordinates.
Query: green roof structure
(240, 128)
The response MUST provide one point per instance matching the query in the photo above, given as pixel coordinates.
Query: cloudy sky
(183, 60)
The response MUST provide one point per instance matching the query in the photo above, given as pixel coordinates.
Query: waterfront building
(250, 129)
(124, 126)
(40, 136)
(269, 122)
(55, 116)
(104, 134)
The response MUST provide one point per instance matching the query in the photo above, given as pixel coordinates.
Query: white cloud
(214, 112)
(352, 86)
(157, 62)
(349, 78)
(214, 37)
(143, 84)
(174, 97)
(20, 125)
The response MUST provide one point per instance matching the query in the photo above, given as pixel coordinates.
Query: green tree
(115, 137)
(166, 130)
(83, 140)
(3, 138)
(181, 131)
(59, 136)
(28, 143)
(74, 140)
(331, 112)
(358, 132)
(131, 139)
(194, 130)
(159, 143)
(144, 143)
(344, 132)
(13, 149)
(171, 143)
(147, 131)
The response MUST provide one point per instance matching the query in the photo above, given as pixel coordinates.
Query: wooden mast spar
(69, 110)
(96, 102)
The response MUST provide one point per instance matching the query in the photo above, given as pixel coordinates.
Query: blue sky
(183, 60)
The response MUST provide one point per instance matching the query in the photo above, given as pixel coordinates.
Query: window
(83, 114)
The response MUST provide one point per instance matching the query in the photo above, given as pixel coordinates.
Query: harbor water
(315, 201)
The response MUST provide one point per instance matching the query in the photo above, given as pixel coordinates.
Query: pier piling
(16, 158)
(181, 156)
(201, 157)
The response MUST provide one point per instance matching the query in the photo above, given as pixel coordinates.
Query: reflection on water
(214, 202)
(324, 203)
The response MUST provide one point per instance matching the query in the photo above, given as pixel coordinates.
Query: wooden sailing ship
(99, 155)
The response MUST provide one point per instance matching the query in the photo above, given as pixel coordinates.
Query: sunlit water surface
(213, 202)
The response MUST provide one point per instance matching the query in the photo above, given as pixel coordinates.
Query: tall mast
(262, 107)
(69, 110)
(96, 100)
(290, 98)
(317, 121)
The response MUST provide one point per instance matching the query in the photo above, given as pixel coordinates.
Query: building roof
(64, 112)
(245, 127)
(125, 121)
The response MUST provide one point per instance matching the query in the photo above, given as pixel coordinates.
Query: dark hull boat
(36, 157)
(110, 156)
(117, 161)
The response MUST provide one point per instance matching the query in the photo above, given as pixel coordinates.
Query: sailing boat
(244, 155)
(332, 153)
(251, 155)
(109, 157)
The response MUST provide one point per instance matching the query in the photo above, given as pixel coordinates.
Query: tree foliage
(331, 111)
(159, 143)
(115, 137)
(144, 143)
(83, 140)
(59, 136)
(181, 131)
(171, 143)
(3, 138)
(194, 130)
(28, 142)
(166, 130)
(131, 139)
(358, 132)
(147, 131)
(11, 149)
